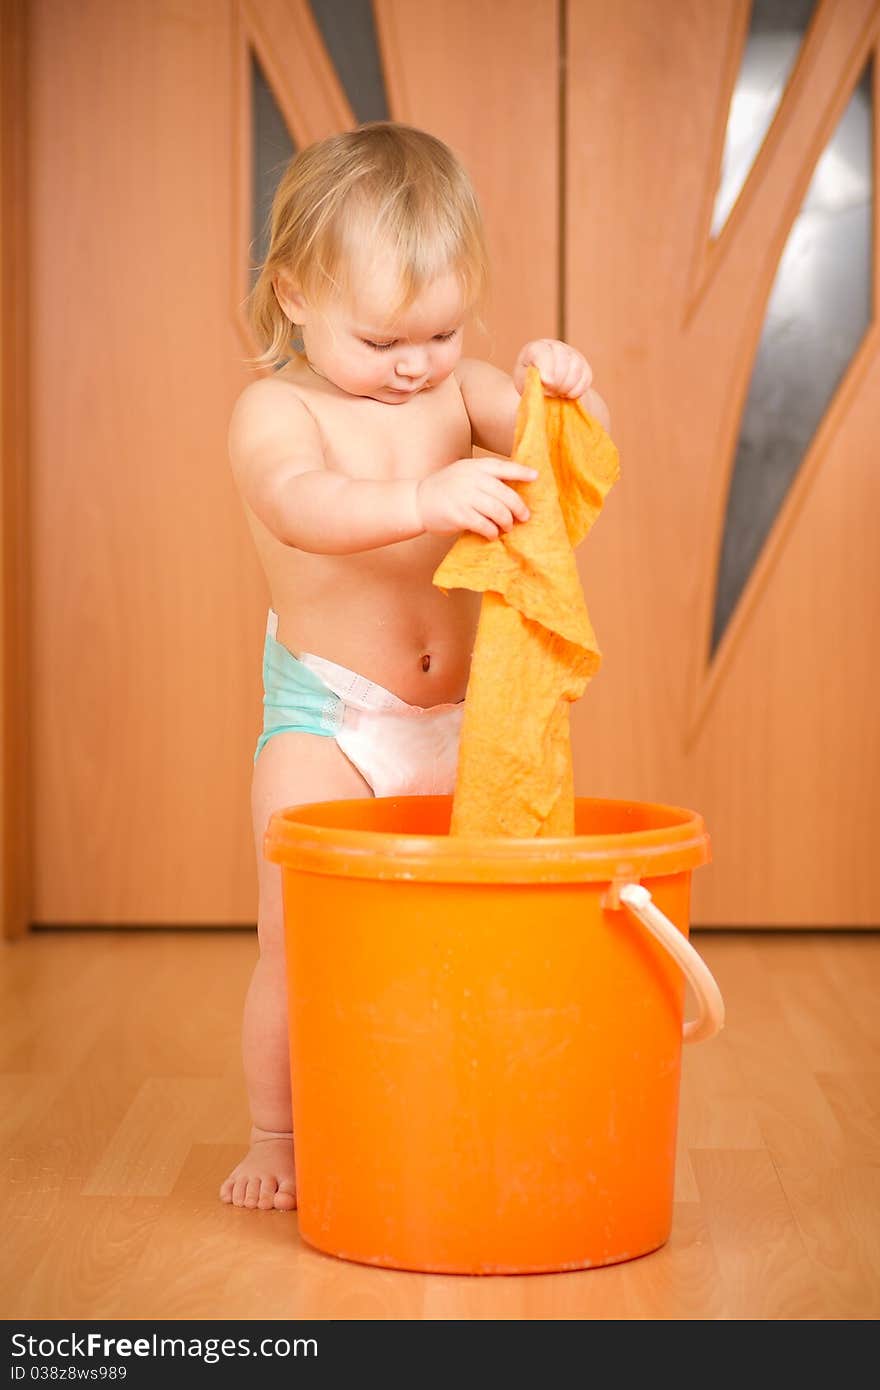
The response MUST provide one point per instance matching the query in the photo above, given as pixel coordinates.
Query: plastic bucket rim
(683, 844)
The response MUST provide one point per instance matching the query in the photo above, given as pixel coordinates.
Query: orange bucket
(485, 1034)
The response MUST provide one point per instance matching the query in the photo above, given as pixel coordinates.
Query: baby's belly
(400, 632)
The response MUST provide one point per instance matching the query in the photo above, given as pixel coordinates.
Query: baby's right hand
(468, 495)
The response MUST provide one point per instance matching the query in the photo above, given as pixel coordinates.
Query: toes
(260, 1190)
(267, 1194)
(285, 1197)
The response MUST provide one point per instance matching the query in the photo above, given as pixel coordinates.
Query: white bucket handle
(710, 1018)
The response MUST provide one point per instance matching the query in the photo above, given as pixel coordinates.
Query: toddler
(354, 463)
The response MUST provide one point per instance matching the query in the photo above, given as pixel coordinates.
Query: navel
(426, 662)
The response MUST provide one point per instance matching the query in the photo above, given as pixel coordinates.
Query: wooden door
(147, 608)
(774, 735)
(594, 136)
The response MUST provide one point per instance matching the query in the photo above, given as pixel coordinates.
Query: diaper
(399, 749)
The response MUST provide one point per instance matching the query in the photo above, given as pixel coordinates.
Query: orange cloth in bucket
(535, 649)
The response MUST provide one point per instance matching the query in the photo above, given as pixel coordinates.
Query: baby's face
(354, 345)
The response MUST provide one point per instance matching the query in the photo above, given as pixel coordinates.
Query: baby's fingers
(509, 468)
(507, 498)
(503, 513)
(481, 525)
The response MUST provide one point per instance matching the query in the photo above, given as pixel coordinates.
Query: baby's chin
(388, 396)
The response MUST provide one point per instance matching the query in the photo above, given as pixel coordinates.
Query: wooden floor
(123, 1108)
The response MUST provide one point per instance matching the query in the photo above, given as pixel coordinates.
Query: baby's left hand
(564, 371)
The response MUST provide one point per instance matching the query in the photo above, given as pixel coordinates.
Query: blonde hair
(382, 184)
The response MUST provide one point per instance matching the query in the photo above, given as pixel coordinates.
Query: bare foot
(266, 1177)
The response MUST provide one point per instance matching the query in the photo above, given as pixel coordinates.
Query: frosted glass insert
(271, 151)
(776, 32)
(349, 36)
(818, 312)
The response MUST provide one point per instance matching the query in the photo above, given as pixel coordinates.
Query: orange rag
(535, 649)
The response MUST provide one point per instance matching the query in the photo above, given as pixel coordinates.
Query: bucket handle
(710, 1005)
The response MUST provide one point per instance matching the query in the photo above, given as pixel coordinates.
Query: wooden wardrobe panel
(16, 801)
(149, 605)
(775, 740)
(146, 594)
(147, 601)
(484, 78)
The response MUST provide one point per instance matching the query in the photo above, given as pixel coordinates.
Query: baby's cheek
(358, 375)
(368, 381)
(369, 369)
(444, 367)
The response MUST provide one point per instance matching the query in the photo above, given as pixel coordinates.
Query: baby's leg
(291, 769)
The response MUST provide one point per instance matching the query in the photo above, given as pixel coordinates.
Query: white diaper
(399, 749)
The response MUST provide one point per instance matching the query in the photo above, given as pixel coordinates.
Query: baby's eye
(383, 347)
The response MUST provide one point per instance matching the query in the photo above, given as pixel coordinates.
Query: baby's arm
(491, 399)
(277, 459)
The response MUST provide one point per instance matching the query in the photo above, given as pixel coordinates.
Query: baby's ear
(287, 294)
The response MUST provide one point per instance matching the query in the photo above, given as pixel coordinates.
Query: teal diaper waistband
(295, 700)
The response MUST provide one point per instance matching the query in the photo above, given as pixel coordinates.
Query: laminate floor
(123, 1107)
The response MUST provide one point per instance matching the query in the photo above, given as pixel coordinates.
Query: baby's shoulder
(269, 424)
(270, 404)
(268, 395)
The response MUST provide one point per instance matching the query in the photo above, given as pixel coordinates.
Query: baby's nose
(413, 365)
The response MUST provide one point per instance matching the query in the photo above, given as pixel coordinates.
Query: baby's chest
(407, 441)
